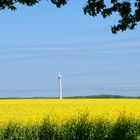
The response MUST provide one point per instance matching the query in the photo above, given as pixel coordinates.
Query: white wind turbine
(60, 85)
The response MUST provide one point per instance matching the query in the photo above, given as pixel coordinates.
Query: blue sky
(37, 43)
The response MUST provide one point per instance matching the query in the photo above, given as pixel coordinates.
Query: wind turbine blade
(58, 79)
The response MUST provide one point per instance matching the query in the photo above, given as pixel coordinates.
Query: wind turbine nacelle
(59, 76)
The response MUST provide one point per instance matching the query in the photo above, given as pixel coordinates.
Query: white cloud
(33, 49)
(102, 46)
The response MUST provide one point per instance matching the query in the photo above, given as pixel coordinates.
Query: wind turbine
(60, 85)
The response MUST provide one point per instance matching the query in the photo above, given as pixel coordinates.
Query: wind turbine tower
(60, 85)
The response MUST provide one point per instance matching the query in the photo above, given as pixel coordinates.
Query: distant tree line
(102, 96)
(79, 97)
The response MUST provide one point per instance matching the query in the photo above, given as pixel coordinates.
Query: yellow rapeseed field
(34, 110)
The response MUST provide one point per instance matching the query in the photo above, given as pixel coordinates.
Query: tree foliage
(129, 11)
